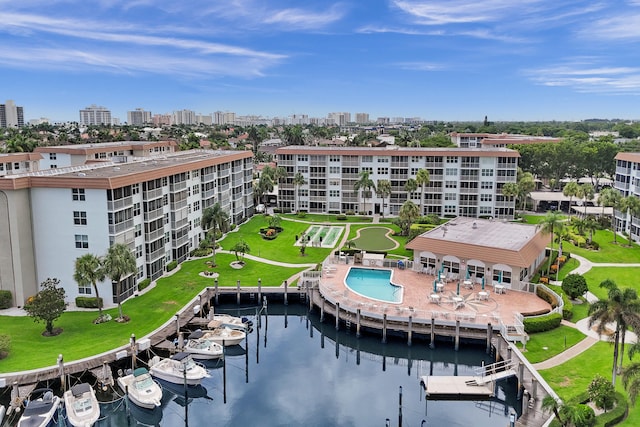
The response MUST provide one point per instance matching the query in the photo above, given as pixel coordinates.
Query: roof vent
(474, 226)
(82, 174)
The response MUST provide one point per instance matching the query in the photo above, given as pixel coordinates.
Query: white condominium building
(140, 194)
(463, 182)
(95, 115)
(628, 183)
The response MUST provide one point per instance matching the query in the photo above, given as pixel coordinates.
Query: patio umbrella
(483, 283)
(435, 281)
(500, 277)
(458, 290)
(467, 275)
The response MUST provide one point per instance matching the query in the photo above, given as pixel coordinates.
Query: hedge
(172, 265)
(143, 284)
(542, 323)
(88, 302)
(6, 299)
(607, 419)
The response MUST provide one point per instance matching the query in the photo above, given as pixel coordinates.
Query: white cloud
(460, 11)
(624, 26)
(421, 66)
(302, 19)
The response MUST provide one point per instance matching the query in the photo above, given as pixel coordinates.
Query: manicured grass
(608, 252)
(543, 346)
(567, 268)
(281, 248)
(30, 350)
(402, 240)
(580, 311)
(328, 218)
(374, 238)
(625, 277)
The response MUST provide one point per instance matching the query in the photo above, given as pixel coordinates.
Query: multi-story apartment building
(153, 203)
(362, 118)
(95, 115)
(11, 115)
(462, 182)
(628, 183)
(490, 140)
(138, 117)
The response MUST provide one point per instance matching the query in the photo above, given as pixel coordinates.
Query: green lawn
(82, 339)
(328, 218)
(281, 248)
(401, 240)
(609, 252)
(374, 238)
(625, 277)
(543, 346)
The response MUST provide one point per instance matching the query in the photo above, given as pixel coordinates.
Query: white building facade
(463, 182)
(152, 205)
(627, 182)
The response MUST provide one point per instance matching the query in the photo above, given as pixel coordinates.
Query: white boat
(40, 408)
(141, 388)
(225, 336)
(178, 369)
(82, 406)
(229, 321)
(202, 348)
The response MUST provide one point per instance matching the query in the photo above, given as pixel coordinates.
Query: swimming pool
(373, 283)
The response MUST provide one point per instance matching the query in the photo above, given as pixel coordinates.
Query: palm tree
(586, 192)
(89, 271)
(410, 187)
(241, 247)
(551, 223)
(279, 175)
(298, 180)
(622, 307)
(550, 404)
(526, 184)
(214, 218)
(118, 264)
(409, 212)
(611, 197)
(590, 225)
(571, 190)
(510, 190)
(422, 179)
(631, 375)
(383, 190)
(263, 186)
(631, 207)
(365, 183)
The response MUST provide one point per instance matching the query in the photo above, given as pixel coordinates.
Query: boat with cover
(141, 388)
(225, 336)
(82, 406)
(202, 348)
(229, 321)
(40, 408)
(178, 369)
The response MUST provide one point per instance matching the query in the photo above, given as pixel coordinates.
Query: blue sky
(438, 60)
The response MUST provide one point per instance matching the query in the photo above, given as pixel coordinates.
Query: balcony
(177, 205)
(116, 205)
(179, 223)
(178, 186)
(180, 241)
(156, 255)
(156, 193)
(208, 177)
(119, 228)
(154, 235)
(153, 215)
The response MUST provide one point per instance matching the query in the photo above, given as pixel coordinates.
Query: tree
(383, 190)
(47, 305)
(574, 285)
(410, 187)
(118, 264)
(510, 190)
(298, 180)
(602, 393)
(631, 375)
(89, 271)
(279, 174)
(569, 415)
(409, 212)
(552, 223)
(622, 307)
(526, 184)
(241, 247)
(611, 197)
(571, 190)
(422, 179)
(263, 186)
(586, 192)
(365, 183)
(214, 218)
(631, 207)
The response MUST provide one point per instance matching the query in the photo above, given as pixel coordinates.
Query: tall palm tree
(510, 190)
(622, 307)
(586, 192)
(298, 180)
(383, 190)
(409, 212)
(553, 224)
(571, 190)
(279, 175)
(610, 197)
(263, 186)
(365, 183)
(631, 207)
(118, 264)
(422, 179)
(410, 187)
(526, 184)
(631, 375)
(89, 271)
(214, 218)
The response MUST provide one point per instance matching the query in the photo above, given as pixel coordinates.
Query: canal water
(296, 371)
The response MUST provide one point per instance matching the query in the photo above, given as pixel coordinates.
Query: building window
(82, 241)
(451, 172)
(138, 231)
(52, 156)
(486, 197)
(139, 251)
(334, 193)
(54, 166)
(487, 172)
(135, 188)
(451, 184)
(77, 194)
(84, 290)
(196, 206)
(79, 218)
(195, 189)
(486, 185)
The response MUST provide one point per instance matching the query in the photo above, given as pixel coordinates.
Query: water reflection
(295, 370)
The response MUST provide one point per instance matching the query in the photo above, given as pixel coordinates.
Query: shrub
(6, 299)
(341, 217)
(200, 252)
(88, 302)
(143, 284)
(350, 213)
(172, 265)
(602, 392)
(594, 245)
(586, 415)
(5, 345)
(542, 323)
(574, 285)
(617, 414)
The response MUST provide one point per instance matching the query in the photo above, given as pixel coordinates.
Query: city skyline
(437, 60)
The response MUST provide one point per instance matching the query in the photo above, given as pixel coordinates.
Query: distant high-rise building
(339, 118)
(362, 118)
(138, 117)
(95, 115)
(184, 117)
(161, 119)
(224, 118)
(383, 120)
(204, 119)
(11, 115)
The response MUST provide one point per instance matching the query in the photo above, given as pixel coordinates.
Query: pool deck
(418, 288)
